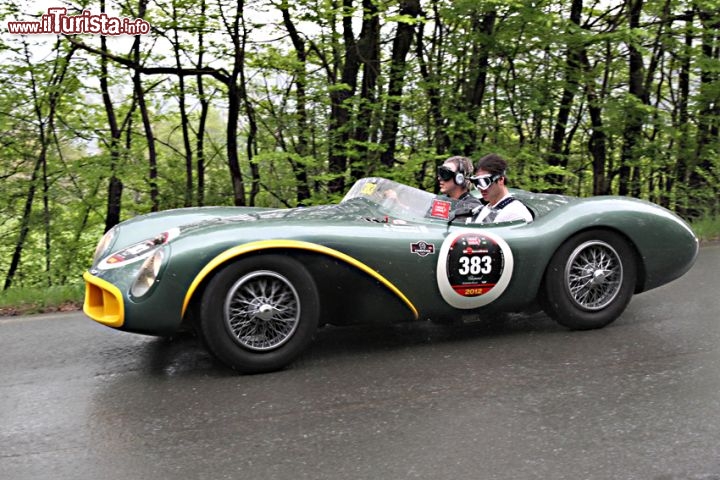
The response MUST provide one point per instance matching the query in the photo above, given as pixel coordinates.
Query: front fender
(264, 245)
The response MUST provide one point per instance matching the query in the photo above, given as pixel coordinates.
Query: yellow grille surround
(103, 301)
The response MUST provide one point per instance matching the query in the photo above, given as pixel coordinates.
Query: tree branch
(219, 74)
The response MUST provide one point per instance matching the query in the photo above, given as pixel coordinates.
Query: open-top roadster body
(256, 283)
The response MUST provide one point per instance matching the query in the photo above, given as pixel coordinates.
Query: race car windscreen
(397, 198)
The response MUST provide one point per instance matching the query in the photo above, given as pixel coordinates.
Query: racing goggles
(483, 182)
(445, 174)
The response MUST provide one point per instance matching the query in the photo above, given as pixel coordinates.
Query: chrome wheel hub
(265, 312)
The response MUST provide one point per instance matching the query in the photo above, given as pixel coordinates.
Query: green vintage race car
(256, 283)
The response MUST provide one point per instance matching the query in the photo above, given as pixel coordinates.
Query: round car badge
(474, 268)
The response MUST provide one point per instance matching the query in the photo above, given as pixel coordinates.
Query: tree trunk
(369, 50)
(597, 145)
(702, 192)
(115, 186)
(556, 156)
(431, 72)
(396, 82)
(234, 100)
(634, 117)
(303, 142)
(204, 110)
(24, 223)
(340, 96)
(251, 142)
(184, 120)
(483, 32)
(683, 155)
(147, 124)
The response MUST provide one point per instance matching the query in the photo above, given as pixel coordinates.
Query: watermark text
(57, 21)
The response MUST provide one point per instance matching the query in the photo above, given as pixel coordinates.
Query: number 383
(475, 265)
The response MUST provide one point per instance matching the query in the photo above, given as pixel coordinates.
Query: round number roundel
(474, 268)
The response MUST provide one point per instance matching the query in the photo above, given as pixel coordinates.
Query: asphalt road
(520, 398)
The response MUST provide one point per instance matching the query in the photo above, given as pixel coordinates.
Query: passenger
(454, 181)
(500, 206)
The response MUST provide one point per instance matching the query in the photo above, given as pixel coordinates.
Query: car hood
(197, 219)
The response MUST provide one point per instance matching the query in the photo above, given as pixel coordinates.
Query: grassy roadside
(24, 301)
(707, 229)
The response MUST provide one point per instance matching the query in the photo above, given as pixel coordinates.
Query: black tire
(259, 313)
(589, 280)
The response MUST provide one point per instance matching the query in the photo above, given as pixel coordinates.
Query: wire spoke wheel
(259, 313)
(589, 280)
(594, 275)
(262, 310)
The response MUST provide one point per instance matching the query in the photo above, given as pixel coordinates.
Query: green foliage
(479, 77)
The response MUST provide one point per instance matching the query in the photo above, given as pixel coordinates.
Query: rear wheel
(590, 280)
(259, 313)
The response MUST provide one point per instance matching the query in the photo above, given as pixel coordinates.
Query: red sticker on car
(440, 209)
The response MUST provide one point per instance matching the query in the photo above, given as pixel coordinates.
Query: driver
(454, 181)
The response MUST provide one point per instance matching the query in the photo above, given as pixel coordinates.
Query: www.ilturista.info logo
(57, 21)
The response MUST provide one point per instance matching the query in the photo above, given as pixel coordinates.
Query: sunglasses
(483, 182)
(445, 174)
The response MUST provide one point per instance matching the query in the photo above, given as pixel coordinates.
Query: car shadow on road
(181, 354)
(185, 353)
(332, 340)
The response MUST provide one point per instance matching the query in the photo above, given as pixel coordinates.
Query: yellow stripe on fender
(103, 301)
(294, 244)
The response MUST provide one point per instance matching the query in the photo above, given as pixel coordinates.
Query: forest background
(278, 103)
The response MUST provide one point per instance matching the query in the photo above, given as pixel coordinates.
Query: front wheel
(259, 313)
(590, 280)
